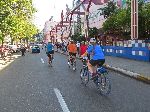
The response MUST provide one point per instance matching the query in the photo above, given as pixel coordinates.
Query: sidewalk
(136, 69)
(133, 68)
(8, 60)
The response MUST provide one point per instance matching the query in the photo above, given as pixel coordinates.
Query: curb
(126, 73)
(129, 74)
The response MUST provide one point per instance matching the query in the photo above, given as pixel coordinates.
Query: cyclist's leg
(48, 60)
(75, 54)
(90, 67)
(94, 64)
(48, 55)
(52, 54)
(101, 62)
(69, 55)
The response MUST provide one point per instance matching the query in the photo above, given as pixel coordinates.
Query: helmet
(49, 41)
(93, 40)
(82, 42)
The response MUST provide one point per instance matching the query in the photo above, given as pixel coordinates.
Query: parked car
(14, 48)
(35, 49)
(31, 45)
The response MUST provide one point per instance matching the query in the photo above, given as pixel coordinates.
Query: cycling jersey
(83, 49)
(50, 47)
(96, 52)
(72, 48)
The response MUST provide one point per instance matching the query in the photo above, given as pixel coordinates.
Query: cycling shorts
(98, 62)
(72, 54)
(50, 52)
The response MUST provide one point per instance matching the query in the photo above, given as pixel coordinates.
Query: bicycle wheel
(84, 75)
(103, 84)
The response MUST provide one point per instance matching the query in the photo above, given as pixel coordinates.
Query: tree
(110, 9)
(78, 37)
(16, 17)
(119, 23)
(144, 20)
(93, 32)
(1, 38)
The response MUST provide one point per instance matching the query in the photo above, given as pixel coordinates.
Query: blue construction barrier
(109, 50)
(136, 53)
(140, 54)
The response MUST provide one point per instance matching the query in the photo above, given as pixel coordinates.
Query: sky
(48, 8)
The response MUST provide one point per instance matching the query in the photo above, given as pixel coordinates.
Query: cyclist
(78, 46)
(83, 48)
(97, 56)
(50, 51)
(72, 50)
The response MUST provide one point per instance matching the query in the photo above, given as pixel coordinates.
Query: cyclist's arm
(85, 54)
(75, 49)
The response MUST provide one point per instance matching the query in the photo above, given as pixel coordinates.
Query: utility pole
(78, 19)
(134, 19)
(73, 30)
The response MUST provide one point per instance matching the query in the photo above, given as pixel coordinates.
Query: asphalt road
(30, 85)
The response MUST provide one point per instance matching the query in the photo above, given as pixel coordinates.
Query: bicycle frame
(101, 80)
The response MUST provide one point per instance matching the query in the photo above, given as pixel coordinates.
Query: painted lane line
(42, 60)
(61, 100)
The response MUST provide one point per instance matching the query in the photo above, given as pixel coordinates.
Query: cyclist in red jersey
(83, 48)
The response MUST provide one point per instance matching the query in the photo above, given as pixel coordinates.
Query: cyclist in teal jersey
(50, 50)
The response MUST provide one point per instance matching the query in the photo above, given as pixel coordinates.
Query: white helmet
(93, 40)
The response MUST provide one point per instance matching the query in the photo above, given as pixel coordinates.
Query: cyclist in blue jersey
(50, 50)
(97, 56)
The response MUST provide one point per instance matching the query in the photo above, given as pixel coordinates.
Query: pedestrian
(23, 50)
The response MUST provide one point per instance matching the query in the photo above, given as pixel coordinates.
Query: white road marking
(42, 60)
(61, 100)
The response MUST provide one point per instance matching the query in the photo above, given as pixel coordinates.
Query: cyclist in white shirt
(78, 46)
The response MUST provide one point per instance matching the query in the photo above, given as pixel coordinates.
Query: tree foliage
(119, 22)
(93, 32)
(109, 9)
(16, 19)
(78, 37)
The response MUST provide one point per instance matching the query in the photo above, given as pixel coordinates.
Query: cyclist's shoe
(68, 63)
(74, 68)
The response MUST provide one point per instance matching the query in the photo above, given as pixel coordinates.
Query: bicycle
(101, 80)
(72, 63)
(50, 59)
